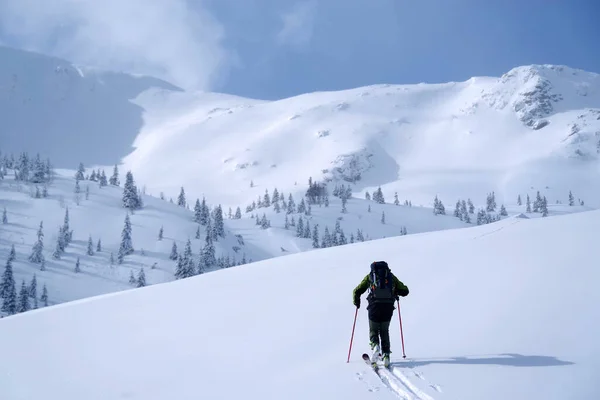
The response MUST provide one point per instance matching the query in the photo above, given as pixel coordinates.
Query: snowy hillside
(98, 213)
(70, 113)
(500, 311)
(535, 128)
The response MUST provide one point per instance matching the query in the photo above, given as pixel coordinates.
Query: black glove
(357, 302)
(402, 292)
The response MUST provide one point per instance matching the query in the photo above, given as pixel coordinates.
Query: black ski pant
(380, 330)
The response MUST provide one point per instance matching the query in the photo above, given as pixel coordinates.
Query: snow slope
(102, 215)
(535, 128)
(70, 113)
(500, 311)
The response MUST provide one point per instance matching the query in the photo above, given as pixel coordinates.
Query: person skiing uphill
(384, 289)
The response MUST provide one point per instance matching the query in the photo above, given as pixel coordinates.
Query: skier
(384, 289)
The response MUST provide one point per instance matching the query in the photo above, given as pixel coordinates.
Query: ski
(372, 363)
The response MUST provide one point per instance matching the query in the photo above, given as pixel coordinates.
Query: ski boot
(376, 351)
(386, 360)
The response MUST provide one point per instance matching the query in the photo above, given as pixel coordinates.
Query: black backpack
(382, 283)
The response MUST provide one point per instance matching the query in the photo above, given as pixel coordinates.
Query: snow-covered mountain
(535, 128)
(501, 311)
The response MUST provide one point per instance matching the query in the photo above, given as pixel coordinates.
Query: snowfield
(501, 311)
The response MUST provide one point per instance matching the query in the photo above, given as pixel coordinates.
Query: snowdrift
(501, 311)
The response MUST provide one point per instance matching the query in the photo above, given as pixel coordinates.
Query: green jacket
(400, 289)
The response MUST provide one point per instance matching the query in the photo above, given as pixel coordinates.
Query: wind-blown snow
(501, 311)
(69, 113)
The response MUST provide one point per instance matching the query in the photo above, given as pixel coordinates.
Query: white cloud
(163, 38)
(298, 24)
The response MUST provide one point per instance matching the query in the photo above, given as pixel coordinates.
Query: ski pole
(401, 334)
(352, 337)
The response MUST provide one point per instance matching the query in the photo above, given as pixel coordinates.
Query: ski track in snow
(397, 382)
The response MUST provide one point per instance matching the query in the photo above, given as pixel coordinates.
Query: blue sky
(278, 48)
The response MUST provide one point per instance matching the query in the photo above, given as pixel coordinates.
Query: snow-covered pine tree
(126, 246)
(367, 196)
(90, 246)
(464, 212)
(326, 201)
(207, 255)
(238, 213)
(457, 212)
(33, 291)
(37, 255)
(438, 207)
(39, 171)
(197, 211)
(300, 227)
(359, 236)
(114, 179)
(181, 202)
(160, 233)
(571, 199)
(219, 224)
(93, 176)
(291, 205)
(342, 240)
(544, 207)
(519, 201)
(266, 199)
(528, 210)
(141, 279)
(77, 266)
(265, 223)
(12, 255)
(24, 304)
(344, 201)
(87, 192)
(307, 232)
(351, 237)
(4, 217)
(131, 199)
(8, 290)
(132, 280)
(189, 268)
(471, 206)
(378, 196)
(43, 264)
(326, 240)
(204, 213)
(383, 217)
(503, 211)
(276, 207)
(369, 208)
(99, 246)
(102, 182)
(80, 174)
(302, 207)
(481, 216)
(44, 297)
(66, 231)
(315, 236)
(537, 204)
